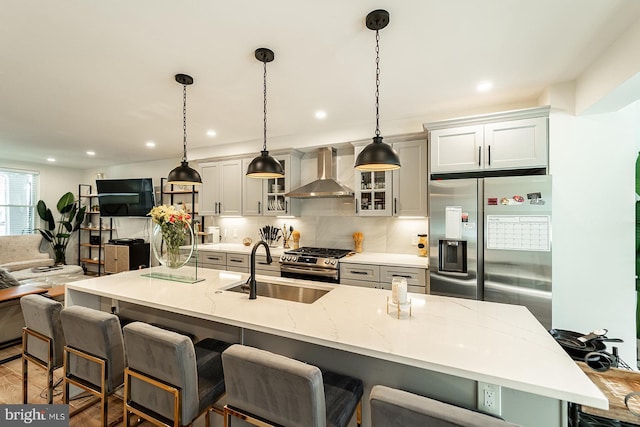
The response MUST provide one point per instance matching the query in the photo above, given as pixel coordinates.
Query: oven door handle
(309, 270)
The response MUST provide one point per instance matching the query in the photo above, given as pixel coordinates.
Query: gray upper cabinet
(512, 140)
(221, 192)
(410, 181)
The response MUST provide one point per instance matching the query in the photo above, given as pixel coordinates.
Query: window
(18, 199)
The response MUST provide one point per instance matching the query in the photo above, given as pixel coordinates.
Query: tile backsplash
(381, 234)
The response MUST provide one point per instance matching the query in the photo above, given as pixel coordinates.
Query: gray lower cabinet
(238, 262)
(265, 269)
(380, 276)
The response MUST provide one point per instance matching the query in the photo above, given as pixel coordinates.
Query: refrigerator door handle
(479, 156)
(489, 154)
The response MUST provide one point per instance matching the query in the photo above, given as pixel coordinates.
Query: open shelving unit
(88, 251)
(174, 191)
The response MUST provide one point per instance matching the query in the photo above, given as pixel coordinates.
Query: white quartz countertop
(379, 258)
(496, 343)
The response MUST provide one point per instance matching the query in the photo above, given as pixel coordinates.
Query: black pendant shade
(377, 156)
(184, 174)
(264, 166)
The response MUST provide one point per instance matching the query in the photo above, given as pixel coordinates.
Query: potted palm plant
(58, 233)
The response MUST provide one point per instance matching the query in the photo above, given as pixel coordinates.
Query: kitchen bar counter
(496, 343)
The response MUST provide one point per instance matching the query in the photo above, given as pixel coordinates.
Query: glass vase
(173, 245)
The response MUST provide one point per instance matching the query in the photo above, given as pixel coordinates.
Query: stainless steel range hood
(326, 184)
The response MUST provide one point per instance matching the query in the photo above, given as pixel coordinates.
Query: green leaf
(63, 235)
(67, 225)
(51, 223)
(79, 218)
(66, 202)
(42, 210)
(46, 235)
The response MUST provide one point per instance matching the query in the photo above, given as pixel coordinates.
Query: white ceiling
(99, 75)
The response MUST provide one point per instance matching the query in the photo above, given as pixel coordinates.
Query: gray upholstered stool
(94, 358)
(391, 407)
(168, 378)
(42, 338)
(268, 389)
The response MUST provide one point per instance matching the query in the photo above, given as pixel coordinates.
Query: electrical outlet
(490, 398)
(414, 240)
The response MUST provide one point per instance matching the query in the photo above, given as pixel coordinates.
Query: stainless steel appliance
(320, 264)
(490, 239)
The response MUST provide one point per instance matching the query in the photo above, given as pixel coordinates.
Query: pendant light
(265, 166)
(183, 174)
(377, 156)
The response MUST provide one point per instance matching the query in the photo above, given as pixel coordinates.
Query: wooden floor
(11, 391)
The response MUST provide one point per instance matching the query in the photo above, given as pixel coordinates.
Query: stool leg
(50, 378)
(359, 413)
(25, 381)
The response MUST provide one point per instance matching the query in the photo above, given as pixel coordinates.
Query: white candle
(402, 292)
(399, 290)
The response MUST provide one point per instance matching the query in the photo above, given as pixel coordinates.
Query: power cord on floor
(45, 391)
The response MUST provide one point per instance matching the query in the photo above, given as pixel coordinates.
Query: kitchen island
(442, 350)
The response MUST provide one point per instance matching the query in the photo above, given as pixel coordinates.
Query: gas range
(312, 264)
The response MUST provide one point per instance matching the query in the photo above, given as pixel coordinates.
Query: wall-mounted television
(125, 197)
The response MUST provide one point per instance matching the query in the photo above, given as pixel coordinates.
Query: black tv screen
(125, 197)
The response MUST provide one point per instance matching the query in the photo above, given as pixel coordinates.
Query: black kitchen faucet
(252, 278)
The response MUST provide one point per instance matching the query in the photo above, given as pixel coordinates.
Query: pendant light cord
(184, 122)
(264, 110)
(377, 83)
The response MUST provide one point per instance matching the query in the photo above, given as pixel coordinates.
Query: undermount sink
(281, 291)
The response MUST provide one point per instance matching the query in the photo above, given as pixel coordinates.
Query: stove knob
(334, 262)
(326, 261)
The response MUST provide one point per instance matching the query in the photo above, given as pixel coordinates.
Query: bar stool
(42, 339)
(94, 358)
(169, 380)
(391, 407)
(266, 389)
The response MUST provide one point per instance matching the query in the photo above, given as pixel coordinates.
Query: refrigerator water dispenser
(453, 256)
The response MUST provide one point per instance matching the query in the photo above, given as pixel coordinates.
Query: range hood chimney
(326, 184)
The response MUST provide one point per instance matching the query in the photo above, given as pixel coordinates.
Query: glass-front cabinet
(275, 202)
(373, 190)
(373, 194)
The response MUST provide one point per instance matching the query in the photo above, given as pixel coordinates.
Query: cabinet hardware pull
(263, 263)
(479, 156)
(235, 260)
(356, 205)
(395, 205)
(286, 206)
(358, 272)
(406, 276)
(489, 147)
(259, 207)
(213, 258)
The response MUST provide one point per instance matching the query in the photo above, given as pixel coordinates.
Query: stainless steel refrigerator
(490, 239)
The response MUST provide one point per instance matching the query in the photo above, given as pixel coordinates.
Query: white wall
(593, 166)
(54, 182)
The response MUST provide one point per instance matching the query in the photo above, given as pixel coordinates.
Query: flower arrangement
(174, 225)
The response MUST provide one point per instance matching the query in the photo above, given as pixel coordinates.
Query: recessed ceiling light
(484, 86)
(211, 133)
(50, 159)
(150, 144)
(91, 153)
(320, 115)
